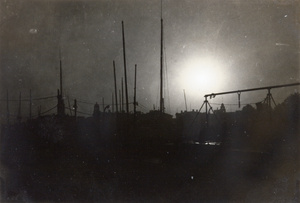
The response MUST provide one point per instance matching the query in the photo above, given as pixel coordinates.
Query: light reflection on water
(204, 143)
(212, 143)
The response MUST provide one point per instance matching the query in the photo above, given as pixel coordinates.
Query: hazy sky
(222, 44)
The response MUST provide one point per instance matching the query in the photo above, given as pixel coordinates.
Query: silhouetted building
(96, 112)
(221, 110)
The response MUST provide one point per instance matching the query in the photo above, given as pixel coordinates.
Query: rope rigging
(33, 99)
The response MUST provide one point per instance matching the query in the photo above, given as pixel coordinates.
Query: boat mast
(122, 83)
(115, 80)
(162, 108)
(125, 73)
(60, 101)
(112, 103)
(60, 73)
(185, 100)
(134, 97)
(120, 101)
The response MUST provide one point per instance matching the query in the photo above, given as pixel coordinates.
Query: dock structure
(268, 100)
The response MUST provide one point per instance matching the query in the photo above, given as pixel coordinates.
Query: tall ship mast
(162, 108)
(60, 100)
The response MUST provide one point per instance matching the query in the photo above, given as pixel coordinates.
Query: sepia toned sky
(209, 45)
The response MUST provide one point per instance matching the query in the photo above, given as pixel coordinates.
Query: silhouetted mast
(115, 80)
(112, 102)
(134, 97)
(125, 74)
(60, 70)
(60, 102)
(185, 100)
(162, 108)
(120, 100)
(122, 95)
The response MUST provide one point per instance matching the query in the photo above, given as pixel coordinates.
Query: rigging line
(16, 100)
(90, 103)
(85, 102)
(49, 110)
(71, 96)
(84, 113)
(198, 112)
(142, 106)
(81, 101)
(79, 111)
(42, 98)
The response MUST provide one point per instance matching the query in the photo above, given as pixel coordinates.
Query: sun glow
(202, 74)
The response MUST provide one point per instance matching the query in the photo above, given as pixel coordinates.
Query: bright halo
(202, 74)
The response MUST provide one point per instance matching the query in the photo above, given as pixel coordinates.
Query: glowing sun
(202, 74)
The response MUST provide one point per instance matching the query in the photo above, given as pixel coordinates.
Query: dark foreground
(156, 173)
(151, 158)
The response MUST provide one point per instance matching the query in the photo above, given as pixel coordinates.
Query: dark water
(190, 172)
